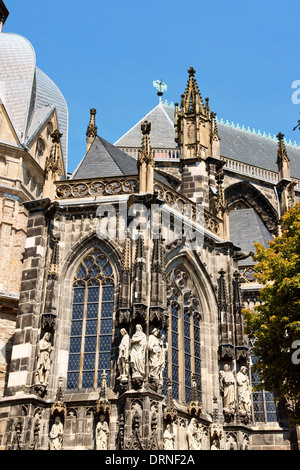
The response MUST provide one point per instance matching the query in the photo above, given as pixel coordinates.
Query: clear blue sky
(106, 54)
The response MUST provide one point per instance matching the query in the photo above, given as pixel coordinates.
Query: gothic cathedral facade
(122, 284)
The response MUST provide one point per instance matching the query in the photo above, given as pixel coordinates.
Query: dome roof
(28, 95)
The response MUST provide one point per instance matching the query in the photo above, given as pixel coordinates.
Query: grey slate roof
(26, 92)
(105, 160)
(162, 129)
(236, 144)
(255, 149)
(247, 228)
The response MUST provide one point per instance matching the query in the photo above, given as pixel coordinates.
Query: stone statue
(227, 382)
(154, 354)
(123, 359)
(215, 445)
(194, 435)
(162, 359)
(169, 438)
(43, 364)
(244, 391)
(102, 431)
(137, 353)
(56, 434)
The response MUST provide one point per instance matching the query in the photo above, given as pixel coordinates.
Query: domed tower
(33, 113)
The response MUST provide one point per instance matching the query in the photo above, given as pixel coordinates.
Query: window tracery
(184, 357)
(91, 323)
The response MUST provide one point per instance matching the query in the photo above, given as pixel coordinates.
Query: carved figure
(154, 354)
(215, 445)
(123, 363)
(137, 353)
(162, 359)
(194, 435)
(56, 434)
(244, 391)
(169, 438)
(102, 431)
(227, 382)
(43, 364)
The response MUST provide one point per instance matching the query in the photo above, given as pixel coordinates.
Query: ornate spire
(52, 163)
(283, 161)
(146, 160)
(192, 100)
(92, 128)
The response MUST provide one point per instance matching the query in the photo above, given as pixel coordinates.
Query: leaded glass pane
(78, 294)
(75, 345)
(91, 327)
(90, 344)
(107, 294)
(92, 311)
(105, 327)
(73, 380)
(88, 379)
(77, 311)
(105, 343)
(74, 361)
(89, 362)
(93, 294)
(107, 310)
(104, 361)
(175, 389)
(76, 329)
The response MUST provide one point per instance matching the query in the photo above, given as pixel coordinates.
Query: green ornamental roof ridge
(254, 132)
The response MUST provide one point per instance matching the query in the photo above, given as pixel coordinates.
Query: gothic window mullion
(83, 337)
(98, 336)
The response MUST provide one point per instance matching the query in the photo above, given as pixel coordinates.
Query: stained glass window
(184, 335)
(264, 407)
(175, 348)
(187, 355)
(91, 324)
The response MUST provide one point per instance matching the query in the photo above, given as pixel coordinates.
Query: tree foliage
(275, 323)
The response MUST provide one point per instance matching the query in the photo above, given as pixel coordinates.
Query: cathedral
(122, 284)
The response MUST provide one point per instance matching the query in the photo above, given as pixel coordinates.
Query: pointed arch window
(184, 356)
(92, 322)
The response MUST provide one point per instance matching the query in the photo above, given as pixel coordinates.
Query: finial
(191, 71)
(56, 136)
(161, 87)
(92, 128)
(280, 136)
(146, 127)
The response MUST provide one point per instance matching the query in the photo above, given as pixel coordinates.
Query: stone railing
(158, 154)
(93, 188)
(251, 170)
(255, 172)
(189, 209)
(96, 187)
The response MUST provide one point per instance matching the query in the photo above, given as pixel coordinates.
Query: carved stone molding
(226, 352)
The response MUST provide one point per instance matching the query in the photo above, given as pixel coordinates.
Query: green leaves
(276, 321)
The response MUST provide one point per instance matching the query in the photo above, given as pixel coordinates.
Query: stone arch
(40, 149)
(65, 293)
(208, 322)
(245, 193)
